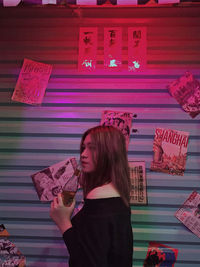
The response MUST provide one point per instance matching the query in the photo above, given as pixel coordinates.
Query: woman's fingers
(59, 199)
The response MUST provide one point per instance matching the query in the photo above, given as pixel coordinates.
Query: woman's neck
(104, 191)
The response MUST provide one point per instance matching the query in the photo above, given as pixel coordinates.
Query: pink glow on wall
(11, 2)
(137, 48)
(113, 48)
(86, 2)
(127, 2)
(87, 48)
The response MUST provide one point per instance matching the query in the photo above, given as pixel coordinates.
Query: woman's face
(88, 155)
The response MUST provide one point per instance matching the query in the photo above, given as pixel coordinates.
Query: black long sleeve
(101, 235)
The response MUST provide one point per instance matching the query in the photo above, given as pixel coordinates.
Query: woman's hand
(61, 214)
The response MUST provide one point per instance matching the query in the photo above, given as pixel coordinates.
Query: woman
(100, 235)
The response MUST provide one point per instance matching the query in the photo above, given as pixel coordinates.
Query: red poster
(32, 82)
(87, 49)
(3, 231)
(137, 48)
(160, 255)
(113, 48)
(186, 91)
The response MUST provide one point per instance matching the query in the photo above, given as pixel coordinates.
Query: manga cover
(10, 256)
(120, 120)
(189, 213)
(159, 255)
(138, 194)
(32, 82)
(186, 90)
(170, 151)
(3, 231)
(52, 180)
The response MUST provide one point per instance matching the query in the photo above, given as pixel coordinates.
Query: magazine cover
(3, 231)
(160, 255)
(10, 256)
(138, 194)
(170, 151)
(189, 213)
(120, 120)
(51, 181)
(32, 82)
(186, 90)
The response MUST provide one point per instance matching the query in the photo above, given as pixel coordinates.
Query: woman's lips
(84, 163)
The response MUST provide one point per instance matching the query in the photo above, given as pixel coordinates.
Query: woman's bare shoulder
(104, 191)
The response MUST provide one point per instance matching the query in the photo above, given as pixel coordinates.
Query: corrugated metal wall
(32, 138)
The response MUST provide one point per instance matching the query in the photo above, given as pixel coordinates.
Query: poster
(51, 181)
(170, 151)
(3, 231)
(137, 48)
(87, 49)
(160, 255)
(32, 82)
(186, 91)
(10, 256)
(113, 48)
(120, 120)
(138, 194)
(189, 213)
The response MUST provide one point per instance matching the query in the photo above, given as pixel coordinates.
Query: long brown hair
(111, 161)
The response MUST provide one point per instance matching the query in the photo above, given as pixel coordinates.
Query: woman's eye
(92, 147)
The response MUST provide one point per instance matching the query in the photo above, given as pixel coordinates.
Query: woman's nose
(84, 154)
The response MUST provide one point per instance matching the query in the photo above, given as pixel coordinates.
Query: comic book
(3, 231)
(51, 181)
(160, 255)
(170, 151)
(32, 82)
(138, 194)
(10, 256)
(189, 213)
(120, 120)
(186, 91)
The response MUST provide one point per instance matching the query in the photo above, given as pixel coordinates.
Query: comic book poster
(3, 231)
(52, 180)
(159, 255)
(186, 91)
(170, 151)
(32, 82)
(120, 120)
(138, 194)
(189, 213)
(10, 256)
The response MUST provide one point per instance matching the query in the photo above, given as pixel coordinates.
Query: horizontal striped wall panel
(32, 138)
